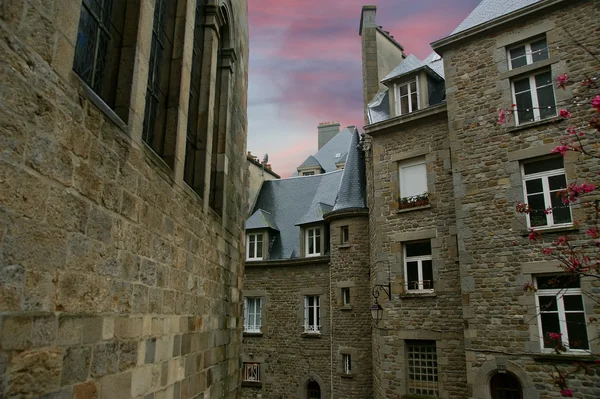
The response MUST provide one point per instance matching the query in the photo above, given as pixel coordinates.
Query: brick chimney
(326, 132)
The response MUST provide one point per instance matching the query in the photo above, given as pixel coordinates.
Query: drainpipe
(331, 327)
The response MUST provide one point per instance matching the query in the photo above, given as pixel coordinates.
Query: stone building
(443, 180)
(306, 333)
(257, 172)
(122, 201)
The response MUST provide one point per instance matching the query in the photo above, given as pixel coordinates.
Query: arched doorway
(505, 386)
(313, 390)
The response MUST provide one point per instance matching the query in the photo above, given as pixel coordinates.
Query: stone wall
(116, 279)
(496, 259)
(433, 316)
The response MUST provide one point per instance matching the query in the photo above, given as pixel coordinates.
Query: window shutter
(413, 180)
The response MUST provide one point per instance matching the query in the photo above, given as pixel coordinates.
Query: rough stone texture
(102, 246)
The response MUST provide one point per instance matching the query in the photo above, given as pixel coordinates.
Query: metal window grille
(251, 372)
(252, 314)
(422, 368)
(311, 314)
(98, 46)
(347, 364)
(161, 48)
(195, 142)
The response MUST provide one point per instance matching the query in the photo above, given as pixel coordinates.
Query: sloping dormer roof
(351, 194)
(326, 156)
(412, 64)
(261, 220)
(488, 10)
(310, 161)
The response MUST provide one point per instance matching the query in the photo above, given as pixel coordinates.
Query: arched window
(313, 390)
(505, 386)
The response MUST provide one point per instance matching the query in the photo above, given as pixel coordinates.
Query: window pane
(413, 180)
(573, 302)
(418, 248)
(251, 249)
(543, 165)
(557, 182)
(539, 50)
(552, 282)
(561, 213)
(517, 57)
(524, 107)
(577, 331)
(534, 186)
(311, 247)
(412, 278)
(550, 324)
(403, 90)
(414, 102)
(537, 216)
(427, 274)
(522, 85)
(413, 87)
(259, 249)
(546, 101)
(404, 105)
(548, 303)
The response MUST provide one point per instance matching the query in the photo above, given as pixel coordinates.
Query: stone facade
(117, 280)
(478, 316)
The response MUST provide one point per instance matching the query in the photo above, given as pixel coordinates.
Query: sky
(305, 65)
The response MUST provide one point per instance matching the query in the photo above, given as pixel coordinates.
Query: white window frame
(316, 312)
(528, 52)
(345, 296)
(409, 97)
(419, 260)
(255, 326)
(251, 372)
(547, 194)
(345, 235)
(253, 237)
(533, 92)
(560, 293)
(347, 363)
(316, 240)
(420, 366)
(410, 163)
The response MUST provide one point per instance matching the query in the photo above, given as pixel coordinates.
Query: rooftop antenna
(264, 162)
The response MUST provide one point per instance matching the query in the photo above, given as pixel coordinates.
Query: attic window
(407, 97)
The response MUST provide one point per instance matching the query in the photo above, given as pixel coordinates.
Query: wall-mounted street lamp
(376, 309)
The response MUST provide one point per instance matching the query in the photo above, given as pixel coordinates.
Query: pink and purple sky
(305, 65)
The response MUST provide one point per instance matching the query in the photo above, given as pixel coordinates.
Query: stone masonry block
(115, 386)
(33, 373)
(76, 364)
(105, 359)
(16, 333)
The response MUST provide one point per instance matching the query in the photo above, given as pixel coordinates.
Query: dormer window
(313, 241)
(407, 97)
(254, 246)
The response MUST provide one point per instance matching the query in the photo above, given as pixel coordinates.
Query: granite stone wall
(116, 279)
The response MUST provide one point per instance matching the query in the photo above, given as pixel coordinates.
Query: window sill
(311, 335)
(346, 307)
(253, 334)
(344, 246)
(550, 230)
(418, 294)
(347, 375)
(565, 358)
(252, 384)
(416, 208)
(534, 124)
(95, 99)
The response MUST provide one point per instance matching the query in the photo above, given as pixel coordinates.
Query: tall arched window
(505, 386)
(313, 390)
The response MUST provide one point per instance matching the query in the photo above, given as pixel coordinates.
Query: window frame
(262, 244)
(562, 292)
(534, 96)
(413, 384)
(316, 241)
(258, 313)
(545, 191)
(346, 364)
(421, 160)
(344, 235)
(528, 53)
(346, 298)
(315, 309)
(419, 259)
(398, 97)
(248, 366)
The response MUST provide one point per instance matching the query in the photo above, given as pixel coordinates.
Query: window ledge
(311, 335)
(550, 230)
(346, 307)
(542, 122)
(344, 246)
(253, 334)
(416, 208)
(95, 99)
(252, 384)
(347, 375)
(418, 294)
(565, 358)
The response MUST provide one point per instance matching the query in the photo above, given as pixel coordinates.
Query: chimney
(326, 132)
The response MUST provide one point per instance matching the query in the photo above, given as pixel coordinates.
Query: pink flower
(566, 392)
(596, 103)
(571, 130)
(555, 336)
(501, 117)
(562, 149)
(547, 251)
(563, 113)
(562, 80)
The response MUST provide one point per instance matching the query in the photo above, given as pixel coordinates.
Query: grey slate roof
(310, 161)
(409, 64)
(351, 194)
(326, 156)
(488, 10)
(436, 63)
(261, 220)
(293, 200)
(379, 108)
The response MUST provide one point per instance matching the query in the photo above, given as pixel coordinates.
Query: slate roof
(379, 108)
(488, 10)
(433, 63)
(326, 156)
(261, 220)
(436, 63)
(351, 194)
(310, 161)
